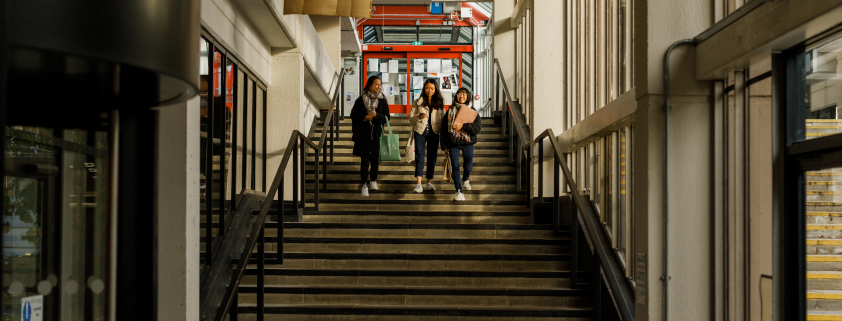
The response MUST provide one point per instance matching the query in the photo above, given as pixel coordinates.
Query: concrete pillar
(547, 64)
(178, 211)
(504, 41)
(658, 24)
(330, 33)
(284, 110)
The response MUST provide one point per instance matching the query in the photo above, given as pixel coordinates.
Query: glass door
(391, 68)
(445, 69)
(55, 224)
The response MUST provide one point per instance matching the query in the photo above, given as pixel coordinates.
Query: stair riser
(825, 208)
(421, 300)
(409, 195)
(413, 233)
(822, 188)
(422, 248)
(497, 265)
(824, 198)
(410, 178)
(828, 234)
(478, 282)
(408, 167)
(347, 144)
(824, 266)
(824, 220)
(824, 284)
(409, 185)
(824, 249)
(366, 217)
(244, 316)
(824, 305)
(456, 206)
(403, 163)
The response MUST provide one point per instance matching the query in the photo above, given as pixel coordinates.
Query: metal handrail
(256, 233)
(513, 108)
(621, 289)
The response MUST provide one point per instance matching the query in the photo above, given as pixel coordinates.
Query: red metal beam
(423, 48)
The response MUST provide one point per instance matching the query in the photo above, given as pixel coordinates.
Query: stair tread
(375, 272)
(432, 226)
(416, 307)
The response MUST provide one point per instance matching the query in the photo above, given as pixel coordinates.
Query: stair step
(407, 185)
(824, 315)
(406, 195)
(410, 177)
(418, 230)
(417, 261)
(436, 206)
(380, 277)
(406, 313)
(412, 296)
(447, 216)
(422, 245)
(824, 300)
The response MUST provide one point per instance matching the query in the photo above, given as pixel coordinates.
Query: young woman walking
(425, 116)
(369, 113)
(459, 136)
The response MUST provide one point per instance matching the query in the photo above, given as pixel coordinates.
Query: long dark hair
(370, 83)
(438, 99)
(467, 99)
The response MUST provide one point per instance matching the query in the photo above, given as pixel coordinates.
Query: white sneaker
(430, 187)
(373, 185)
(364, 190)
(467, 185)
(418, 189)
(459, 196)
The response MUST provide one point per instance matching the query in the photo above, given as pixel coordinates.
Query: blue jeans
(430, 143)
(468, 153)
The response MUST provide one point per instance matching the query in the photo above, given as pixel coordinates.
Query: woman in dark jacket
(457, 137)
(370, 112)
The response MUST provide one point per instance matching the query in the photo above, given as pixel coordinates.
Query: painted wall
(229, 25)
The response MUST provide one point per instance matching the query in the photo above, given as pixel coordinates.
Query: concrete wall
(178, 211)
(504, 40)
(284, 112)
(330, 32)
(230, 26)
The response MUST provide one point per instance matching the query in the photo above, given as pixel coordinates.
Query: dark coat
(365, 134)
(472, 129)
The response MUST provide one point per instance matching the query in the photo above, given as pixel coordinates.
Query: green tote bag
(390, 149)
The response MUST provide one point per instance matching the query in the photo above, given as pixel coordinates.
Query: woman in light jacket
(425, 117)
(457, 137)
(370, 112)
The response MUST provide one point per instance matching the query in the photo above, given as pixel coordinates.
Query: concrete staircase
(824, 233)
(403, 256)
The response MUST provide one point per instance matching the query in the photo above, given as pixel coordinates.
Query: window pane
(823, 78)
(398, 34)
(823, 201)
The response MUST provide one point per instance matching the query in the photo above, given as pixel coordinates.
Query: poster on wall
(446, 84)
(434, 65)
(372, 64)
(446, 65)
(419, 66)
(417, 82)
(393, 66)
(385, 77)
(350, 96)
(416, 94)
(402, 79)
(384, 67)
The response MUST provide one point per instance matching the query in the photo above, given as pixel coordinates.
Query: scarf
(460, 135)
(370, 100)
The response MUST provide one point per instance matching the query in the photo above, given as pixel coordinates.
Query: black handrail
(257, 231)
(516, 127)
(584, 213)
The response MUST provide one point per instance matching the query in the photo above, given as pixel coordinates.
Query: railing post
(316, 200)
(528, 176)
(261, 269)
(519, 165)
(597, 288)
(234, 314)
(303, 181)
(505, 120)
(295, 185)
(324, 165)
(556, 200)
(541, 171)
(574, 245)
(497, 92)
(334, 124)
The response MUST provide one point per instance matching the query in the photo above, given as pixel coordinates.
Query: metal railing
(513, 125)
(606, 262)
(297, 151)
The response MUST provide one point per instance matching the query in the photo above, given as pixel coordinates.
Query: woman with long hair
(425, 118)
(369, 113)
(460, 135)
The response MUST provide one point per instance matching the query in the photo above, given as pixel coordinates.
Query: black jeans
(364, 172)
